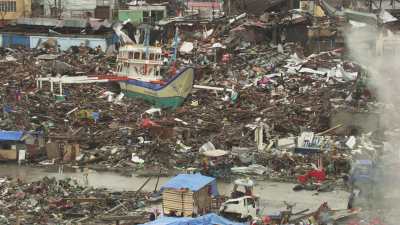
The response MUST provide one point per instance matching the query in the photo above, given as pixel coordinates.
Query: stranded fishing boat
(140, 73)
(142, 65)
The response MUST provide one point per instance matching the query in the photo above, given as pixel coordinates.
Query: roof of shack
(193, 182)
(11, 135)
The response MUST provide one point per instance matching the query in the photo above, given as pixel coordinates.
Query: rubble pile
(266, 95)
(271, 85)
(30, 203)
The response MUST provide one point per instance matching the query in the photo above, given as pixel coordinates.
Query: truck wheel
(249, 219)
(246, 219)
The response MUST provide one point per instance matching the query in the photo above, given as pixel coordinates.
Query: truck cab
(243, 208)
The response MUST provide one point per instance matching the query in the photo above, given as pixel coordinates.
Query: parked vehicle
(243, 208)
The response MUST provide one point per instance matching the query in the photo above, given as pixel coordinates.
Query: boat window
(232, 203)
(137, 55)
(152, 56)
(251, 202)
(130, 56)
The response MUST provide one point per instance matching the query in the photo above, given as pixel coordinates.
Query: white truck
(243, 208)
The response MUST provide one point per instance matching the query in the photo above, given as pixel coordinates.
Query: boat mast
(146, 41)
(176, 42)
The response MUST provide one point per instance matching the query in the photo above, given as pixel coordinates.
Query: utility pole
(229, 7)
(59, 11)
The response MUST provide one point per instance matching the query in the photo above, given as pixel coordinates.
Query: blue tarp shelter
(208, 219)
(193, 182)
(11, 135)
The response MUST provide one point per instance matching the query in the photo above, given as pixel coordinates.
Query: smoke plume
(378, 51)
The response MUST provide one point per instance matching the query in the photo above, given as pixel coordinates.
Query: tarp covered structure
(11, 135)
(208, 219)
(193, 182)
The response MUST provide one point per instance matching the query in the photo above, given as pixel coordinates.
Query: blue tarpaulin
(208, 219)
(11, 135)
(193, 182)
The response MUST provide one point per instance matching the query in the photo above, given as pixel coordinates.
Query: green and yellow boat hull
(169, 95)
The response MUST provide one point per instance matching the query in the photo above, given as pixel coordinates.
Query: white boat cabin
(140, 62)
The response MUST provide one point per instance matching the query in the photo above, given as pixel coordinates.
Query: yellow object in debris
(195, 103)
(85, 114)
(318, 11)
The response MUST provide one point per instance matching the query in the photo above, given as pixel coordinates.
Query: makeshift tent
(208, 219)
(188, 194)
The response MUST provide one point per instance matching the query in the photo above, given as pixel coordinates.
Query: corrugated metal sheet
(66, 42)
(39, 21)
(78, 23)
(13, 40)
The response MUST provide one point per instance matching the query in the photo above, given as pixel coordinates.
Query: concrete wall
(23, 9)
(70, 8)
(11, 40)
(361, 122)
(8, 154)
(67, 42)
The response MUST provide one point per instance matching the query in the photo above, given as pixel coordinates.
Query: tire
(249, 219)
(246, 219)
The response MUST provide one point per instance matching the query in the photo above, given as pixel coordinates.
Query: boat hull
(170, 95)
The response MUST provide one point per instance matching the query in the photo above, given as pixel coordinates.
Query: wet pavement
(272, 194)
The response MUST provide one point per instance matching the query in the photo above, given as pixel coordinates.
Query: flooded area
(272, 194)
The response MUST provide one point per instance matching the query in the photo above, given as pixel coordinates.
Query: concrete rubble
(295, 97)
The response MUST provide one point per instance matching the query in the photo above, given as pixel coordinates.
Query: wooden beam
(114, 218)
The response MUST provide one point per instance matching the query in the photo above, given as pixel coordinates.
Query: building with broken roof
(32, 32)
(74, 8)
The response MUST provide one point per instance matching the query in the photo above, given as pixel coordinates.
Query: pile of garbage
(51, 201)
